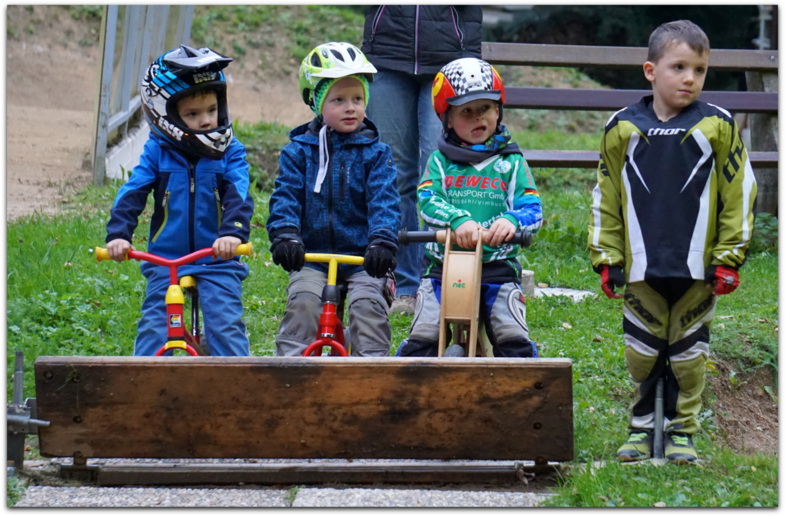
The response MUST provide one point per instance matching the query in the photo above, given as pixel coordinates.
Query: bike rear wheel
(454, 350)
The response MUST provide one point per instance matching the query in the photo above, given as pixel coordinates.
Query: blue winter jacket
(193, 203)
(358, 202)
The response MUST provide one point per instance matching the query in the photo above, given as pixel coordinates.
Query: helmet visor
(460, 100)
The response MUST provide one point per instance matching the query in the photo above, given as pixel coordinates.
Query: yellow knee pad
(639, 365)
(691, 376)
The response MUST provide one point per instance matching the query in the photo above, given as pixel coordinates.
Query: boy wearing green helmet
(335, 193)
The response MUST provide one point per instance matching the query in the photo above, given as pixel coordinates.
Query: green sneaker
(637, 447)
(679, 448)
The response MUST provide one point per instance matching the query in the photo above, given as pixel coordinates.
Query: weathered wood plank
(612, 100)
(318, 472)
(589, 159)
(562, 158)
(317, 407)
(534, 54)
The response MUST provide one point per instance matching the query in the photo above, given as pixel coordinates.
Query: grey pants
(502, 311)
(368, 329)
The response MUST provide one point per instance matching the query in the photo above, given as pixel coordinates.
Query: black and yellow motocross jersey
(672, 197)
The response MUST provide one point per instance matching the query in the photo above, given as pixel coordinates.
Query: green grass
(722, 480)
(304, 26)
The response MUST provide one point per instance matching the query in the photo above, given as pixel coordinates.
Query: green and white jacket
(452, 192)
(672, 197)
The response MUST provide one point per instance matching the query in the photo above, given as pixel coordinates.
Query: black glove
(379, 258)
(611, 277)
(288, 251)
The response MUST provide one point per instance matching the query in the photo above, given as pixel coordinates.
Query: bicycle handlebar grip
(523, 238)
(101, 254)
(244, 249)
(405, 237)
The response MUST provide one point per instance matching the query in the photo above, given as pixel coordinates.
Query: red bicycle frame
(330, 332)
(176, 335)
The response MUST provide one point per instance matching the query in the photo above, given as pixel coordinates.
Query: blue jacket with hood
(358, 201)
(194, 202)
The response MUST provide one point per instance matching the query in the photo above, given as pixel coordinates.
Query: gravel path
(73, 497)
(48, 489)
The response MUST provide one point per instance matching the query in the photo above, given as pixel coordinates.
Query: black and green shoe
(679, 448)
(637, 447)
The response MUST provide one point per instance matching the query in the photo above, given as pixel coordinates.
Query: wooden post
(107, 43)
(764, 132)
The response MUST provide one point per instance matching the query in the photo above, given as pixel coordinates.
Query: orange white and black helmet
(464, 80)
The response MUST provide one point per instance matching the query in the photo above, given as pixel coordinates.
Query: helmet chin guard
(179, 73)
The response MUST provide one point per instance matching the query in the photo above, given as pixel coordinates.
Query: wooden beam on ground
(315, 407)
(127, 473)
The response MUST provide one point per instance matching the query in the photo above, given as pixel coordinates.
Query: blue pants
(401, 107)
(220, 296)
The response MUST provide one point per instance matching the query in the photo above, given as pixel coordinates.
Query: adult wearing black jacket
(408, 45)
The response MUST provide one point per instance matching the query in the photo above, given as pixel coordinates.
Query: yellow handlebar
(332, 261)
(339, 258)
(244, 249)
(101, 254)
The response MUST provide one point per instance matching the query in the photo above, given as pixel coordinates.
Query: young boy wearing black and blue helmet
(199, 178)
(335, 193)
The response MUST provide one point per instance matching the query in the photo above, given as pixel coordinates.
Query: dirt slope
(50, 91)
(52, 74)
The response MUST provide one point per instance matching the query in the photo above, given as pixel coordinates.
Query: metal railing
(144, 32)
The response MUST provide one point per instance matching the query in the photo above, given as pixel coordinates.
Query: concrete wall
(121, 158)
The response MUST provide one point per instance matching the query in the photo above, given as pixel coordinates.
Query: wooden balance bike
(460, 301)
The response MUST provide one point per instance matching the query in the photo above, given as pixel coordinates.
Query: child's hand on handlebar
(466, 234)
(225, 247)
(118, 249)
(500, 231)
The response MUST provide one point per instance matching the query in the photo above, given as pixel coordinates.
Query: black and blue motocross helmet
(183, 72)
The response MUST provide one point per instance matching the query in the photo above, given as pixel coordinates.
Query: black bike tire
(454, 351)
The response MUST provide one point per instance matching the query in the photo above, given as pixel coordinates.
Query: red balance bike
(331, 332)
(178, 336)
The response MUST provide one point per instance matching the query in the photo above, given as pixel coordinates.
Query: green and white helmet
(327, 63)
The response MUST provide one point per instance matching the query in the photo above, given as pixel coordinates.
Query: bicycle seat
(187, 282)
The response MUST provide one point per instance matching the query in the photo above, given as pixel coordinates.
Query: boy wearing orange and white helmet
(335, 193)
(476, 179)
